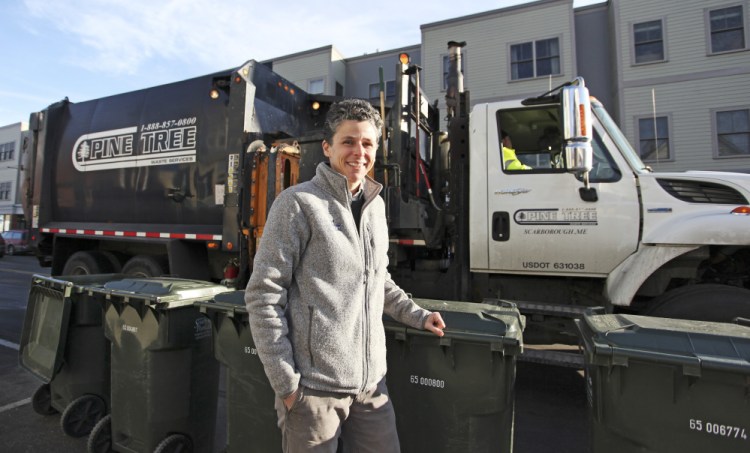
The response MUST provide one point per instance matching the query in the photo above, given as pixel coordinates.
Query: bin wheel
(42, 401)
(82, 414)
(175, 443)
(704, 302)
(100, 439)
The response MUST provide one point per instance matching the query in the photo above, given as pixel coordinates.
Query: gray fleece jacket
(319, 288)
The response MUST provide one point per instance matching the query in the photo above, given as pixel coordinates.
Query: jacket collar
(336, 184)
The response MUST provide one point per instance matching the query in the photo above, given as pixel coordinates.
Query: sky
(86, 49)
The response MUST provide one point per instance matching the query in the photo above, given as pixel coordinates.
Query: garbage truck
(178, 179)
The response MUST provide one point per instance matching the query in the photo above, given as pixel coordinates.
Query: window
(648, 42)
(339, 89)
(653, 138)
(727, 29)
(535, 59)
(447, 67)
(733, 133)
(5, 190)
(6, 150)
(390, 92)
(316, 86)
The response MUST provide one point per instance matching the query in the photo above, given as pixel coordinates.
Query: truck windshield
(617, 136)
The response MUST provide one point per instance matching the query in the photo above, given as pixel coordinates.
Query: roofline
(385, 52)
(493, 12)
(329, 47)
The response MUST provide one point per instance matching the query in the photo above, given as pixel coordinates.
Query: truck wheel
(87, 263)
(144, 266)
(705, 302)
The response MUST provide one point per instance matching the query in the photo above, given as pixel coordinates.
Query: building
(11, 145)
(675, 74)
(683, 81)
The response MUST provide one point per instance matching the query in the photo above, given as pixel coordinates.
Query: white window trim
(533, 48)
(707, 27)
(663, 21)
(463, 61)
(316, 79)
(670, 136)
(715, 131)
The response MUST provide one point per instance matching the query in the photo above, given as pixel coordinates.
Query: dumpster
(251, 417)
(666, 385)
(164, 384)
(455, 393)
(63, 344)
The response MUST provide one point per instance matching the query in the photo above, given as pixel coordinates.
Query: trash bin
(251, 417)
(455, 393)
(164, 386)
(666, 385)
(64, 345)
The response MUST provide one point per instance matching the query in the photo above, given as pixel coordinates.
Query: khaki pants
(365, 423)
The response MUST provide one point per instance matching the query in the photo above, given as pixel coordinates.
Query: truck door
(537, 220)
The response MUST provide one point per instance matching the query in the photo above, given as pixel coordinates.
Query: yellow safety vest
(511, 162)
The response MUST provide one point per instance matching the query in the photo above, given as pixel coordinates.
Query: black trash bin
(164, 375)
(666, 385)
(64, 345)
(456, 393)
(251, 417)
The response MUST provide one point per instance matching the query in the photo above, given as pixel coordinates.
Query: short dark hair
(351, 109)
(503, 134)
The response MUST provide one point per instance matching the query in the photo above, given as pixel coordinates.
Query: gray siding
(689, 85)
(363, 71)
(303, 67)
(488, 39)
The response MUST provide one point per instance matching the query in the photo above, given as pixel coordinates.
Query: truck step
(567, 358)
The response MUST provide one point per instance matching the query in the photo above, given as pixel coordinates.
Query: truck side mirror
(576, 116)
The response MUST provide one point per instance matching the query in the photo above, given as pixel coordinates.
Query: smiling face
(352, 151)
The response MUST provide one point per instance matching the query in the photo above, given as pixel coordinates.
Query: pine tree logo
(84, 151)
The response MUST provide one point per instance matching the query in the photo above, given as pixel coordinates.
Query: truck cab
(638, 233)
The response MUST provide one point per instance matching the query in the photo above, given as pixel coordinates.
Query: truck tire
(144, 266)
(89, 262)
(705, 302)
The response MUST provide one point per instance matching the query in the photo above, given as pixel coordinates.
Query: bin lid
(163, 292)
(76, 283)
(501, 325)
(231, 303)
(612, 339)
(46, 322)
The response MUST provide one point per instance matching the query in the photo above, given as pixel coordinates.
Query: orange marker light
(582, 114)
(404, 58)
(741, 210)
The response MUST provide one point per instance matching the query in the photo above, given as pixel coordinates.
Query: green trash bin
(164, 385)
(666, 385)
(63, 344)
(455, 393)
(251, 417)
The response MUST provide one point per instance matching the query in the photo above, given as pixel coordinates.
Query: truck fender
(625, 279)
(716, 228)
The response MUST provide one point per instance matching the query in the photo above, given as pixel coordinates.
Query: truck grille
(702, 192)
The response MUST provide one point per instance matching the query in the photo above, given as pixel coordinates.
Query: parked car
(2, 246)
(15, 241)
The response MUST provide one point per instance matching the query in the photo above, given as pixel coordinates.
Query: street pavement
(550, 404)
